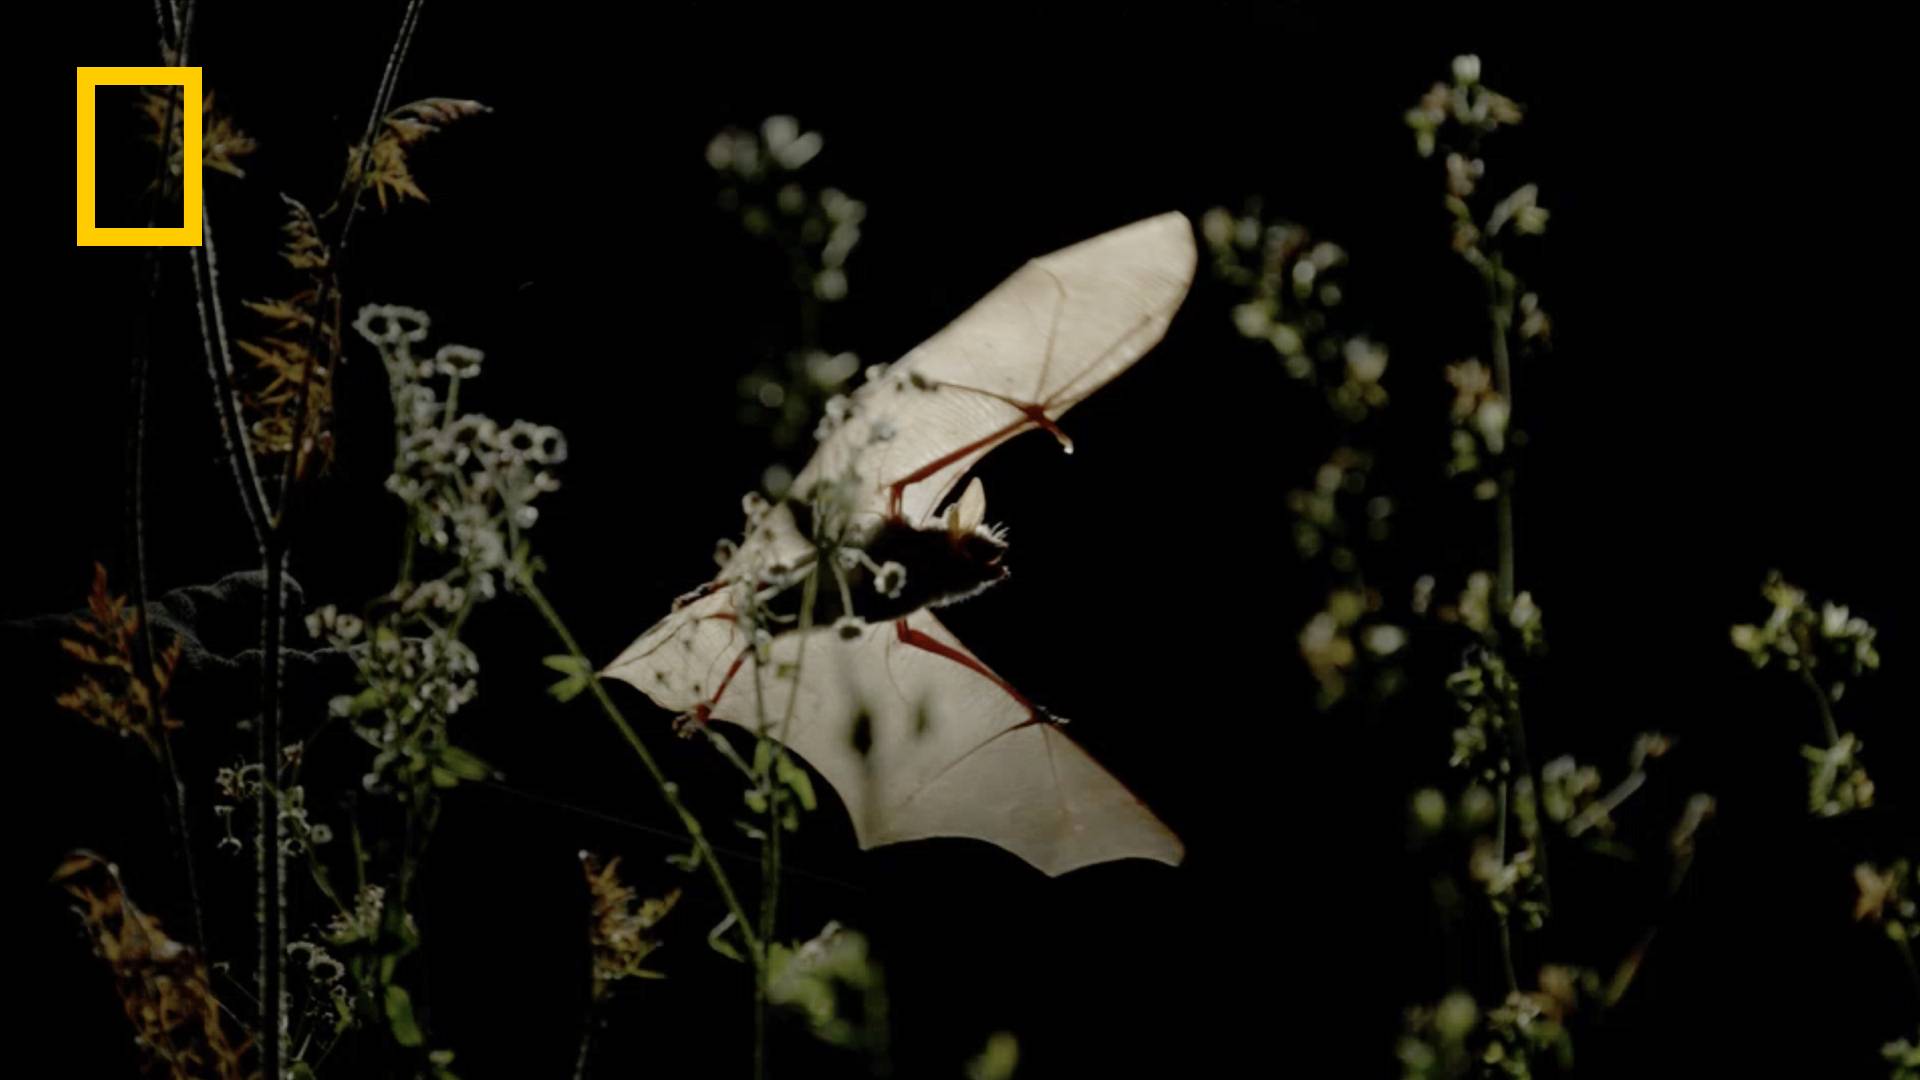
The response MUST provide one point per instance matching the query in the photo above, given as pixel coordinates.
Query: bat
(820, 630)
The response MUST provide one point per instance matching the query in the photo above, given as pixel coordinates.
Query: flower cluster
(1904, 1056)
(1527, 1030)
(1484, 689)
(328, 997)
(816, 229)
(1337, 638)
(763, 187)
(1466, 102)
(411, 687)
(1473, 608)
(1454, 119)
(1798, 636)
(470, 482)
(471, 486)
(833, 982)
(1327, 515)
(1291, 286)
(361, 922)
(1825, 646)
(236, 786)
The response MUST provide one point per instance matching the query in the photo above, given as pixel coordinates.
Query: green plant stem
(269, 859)
(1629, 967)
(330, 291)
(585, 1054)
(1826, 706)
(669, 791)
(226, 394)
(1506, 922)
(172, 789)
(770, 847)
(1500, 319)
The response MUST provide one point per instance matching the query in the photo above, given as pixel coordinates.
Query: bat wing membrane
(918, 745)
(1061, 327)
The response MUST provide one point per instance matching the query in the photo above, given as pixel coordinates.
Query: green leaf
(797, 781)
(997, 1060)
(579, 675)
(717, 939)
(300, 1070)
(570, 687)
(400, 1017)
(566, 664)
(463, 764)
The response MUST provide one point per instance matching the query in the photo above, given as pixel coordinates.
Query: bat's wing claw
(693, 721)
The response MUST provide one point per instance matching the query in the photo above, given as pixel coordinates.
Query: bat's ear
(969, 513)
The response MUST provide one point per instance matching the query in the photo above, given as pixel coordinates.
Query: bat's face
(936, 567)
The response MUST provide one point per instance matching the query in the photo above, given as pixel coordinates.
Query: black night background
(1727, 271)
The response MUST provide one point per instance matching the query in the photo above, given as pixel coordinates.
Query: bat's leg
(909, 636)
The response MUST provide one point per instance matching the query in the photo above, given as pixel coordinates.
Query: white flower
(789, 146)
(391, 324)
(458, 361)
(1384, 639)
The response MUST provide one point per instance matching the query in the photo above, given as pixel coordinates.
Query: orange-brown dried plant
(162, 984)
(117, 695)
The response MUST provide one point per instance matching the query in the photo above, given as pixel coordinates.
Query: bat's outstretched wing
(1057, 330)
(683, 660)
(914, 733)
(918, 738)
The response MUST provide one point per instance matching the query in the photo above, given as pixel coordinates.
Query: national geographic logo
(87, 81)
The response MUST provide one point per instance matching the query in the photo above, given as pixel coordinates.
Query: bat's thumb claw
(691, 722)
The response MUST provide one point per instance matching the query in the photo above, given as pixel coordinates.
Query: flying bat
(820, 630)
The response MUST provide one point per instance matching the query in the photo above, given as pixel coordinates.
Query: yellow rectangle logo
(187, 234)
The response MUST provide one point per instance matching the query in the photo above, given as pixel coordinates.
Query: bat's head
(978, 550)
(949, 561)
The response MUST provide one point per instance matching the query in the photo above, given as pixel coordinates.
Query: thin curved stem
(669, 791)
(1826, 706)
(226, 392)
(173, 790)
